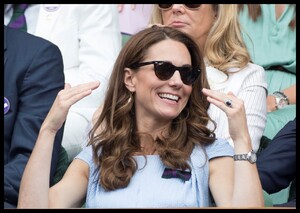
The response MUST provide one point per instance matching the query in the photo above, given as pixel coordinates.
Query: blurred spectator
(216, 30)
(88, 36)
(133, 18)
(33, 75)
(269, 31)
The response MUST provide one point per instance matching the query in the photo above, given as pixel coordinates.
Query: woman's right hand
(64, 100)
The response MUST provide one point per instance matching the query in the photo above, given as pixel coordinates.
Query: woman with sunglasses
(150, 147)
(216, 30)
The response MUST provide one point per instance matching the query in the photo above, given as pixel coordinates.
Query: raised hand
(234, 109)
(64, 100)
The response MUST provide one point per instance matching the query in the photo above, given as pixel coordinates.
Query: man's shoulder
(15, 36)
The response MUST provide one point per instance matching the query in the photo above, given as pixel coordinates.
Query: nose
(177, 7)
(175, 80)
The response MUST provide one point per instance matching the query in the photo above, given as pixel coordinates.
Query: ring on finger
(228, 103)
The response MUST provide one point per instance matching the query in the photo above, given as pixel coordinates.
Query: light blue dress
(147, 189)
(271, 42)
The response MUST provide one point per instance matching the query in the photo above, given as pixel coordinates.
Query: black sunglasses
(169, 6)
(165, 70)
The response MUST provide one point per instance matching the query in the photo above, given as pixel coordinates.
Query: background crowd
(246, 51)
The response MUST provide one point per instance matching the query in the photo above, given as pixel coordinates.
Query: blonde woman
(216, 30)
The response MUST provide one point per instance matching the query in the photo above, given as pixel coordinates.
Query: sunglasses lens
(168, 6)
(165, 6)
(193, 6)
(164, 70)
(188, 75)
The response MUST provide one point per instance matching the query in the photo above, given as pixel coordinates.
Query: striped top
(147, 188)
(248, 84)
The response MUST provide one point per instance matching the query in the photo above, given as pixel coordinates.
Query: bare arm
(34, 188)
(71, 191)
(290, 92)
(234, 183)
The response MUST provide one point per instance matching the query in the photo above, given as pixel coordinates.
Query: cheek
(187, 91)
(202, 25)
(146, 81)
(166, 18)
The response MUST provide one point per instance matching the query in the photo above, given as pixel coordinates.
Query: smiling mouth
(169, 96)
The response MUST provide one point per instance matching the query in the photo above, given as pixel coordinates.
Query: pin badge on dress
(6, 105)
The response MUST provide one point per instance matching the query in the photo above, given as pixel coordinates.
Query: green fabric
(268, 200)
(276, 120)
(125, 38)
(62, 165)
(281, 196)
(272, 42)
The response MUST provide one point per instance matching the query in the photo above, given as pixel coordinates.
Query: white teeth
(169, 96)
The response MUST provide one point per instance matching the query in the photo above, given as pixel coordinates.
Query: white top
(88, 36)
(250, 85)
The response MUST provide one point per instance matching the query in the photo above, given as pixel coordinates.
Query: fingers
(234, 109)
(221, 100)
(71, 95)
(64, 100)
(133, 6)
(120, 7)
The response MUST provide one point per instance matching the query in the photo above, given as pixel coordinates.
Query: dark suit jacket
(33, 75)
(276, 164)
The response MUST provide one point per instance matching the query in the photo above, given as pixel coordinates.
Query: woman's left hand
(234, 109)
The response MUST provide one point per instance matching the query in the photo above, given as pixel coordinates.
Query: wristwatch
(250, 156)
(281, 99)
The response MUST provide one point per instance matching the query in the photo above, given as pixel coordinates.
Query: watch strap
(250, 156)
(240, 157)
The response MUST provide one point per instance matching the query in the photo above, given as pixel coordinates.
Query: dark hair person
(150, 147)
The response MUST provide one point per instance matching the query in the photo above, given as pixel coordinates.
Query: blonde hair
(224, 47)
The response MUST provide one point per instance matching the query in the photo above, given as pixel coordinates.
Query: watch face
(252, 158)
(281, 103)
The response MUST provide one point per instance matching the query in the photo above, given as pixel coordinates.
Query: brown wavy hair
(114, 146)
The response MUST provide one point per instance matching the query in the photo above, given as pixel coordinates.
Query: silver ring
(228, 103)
